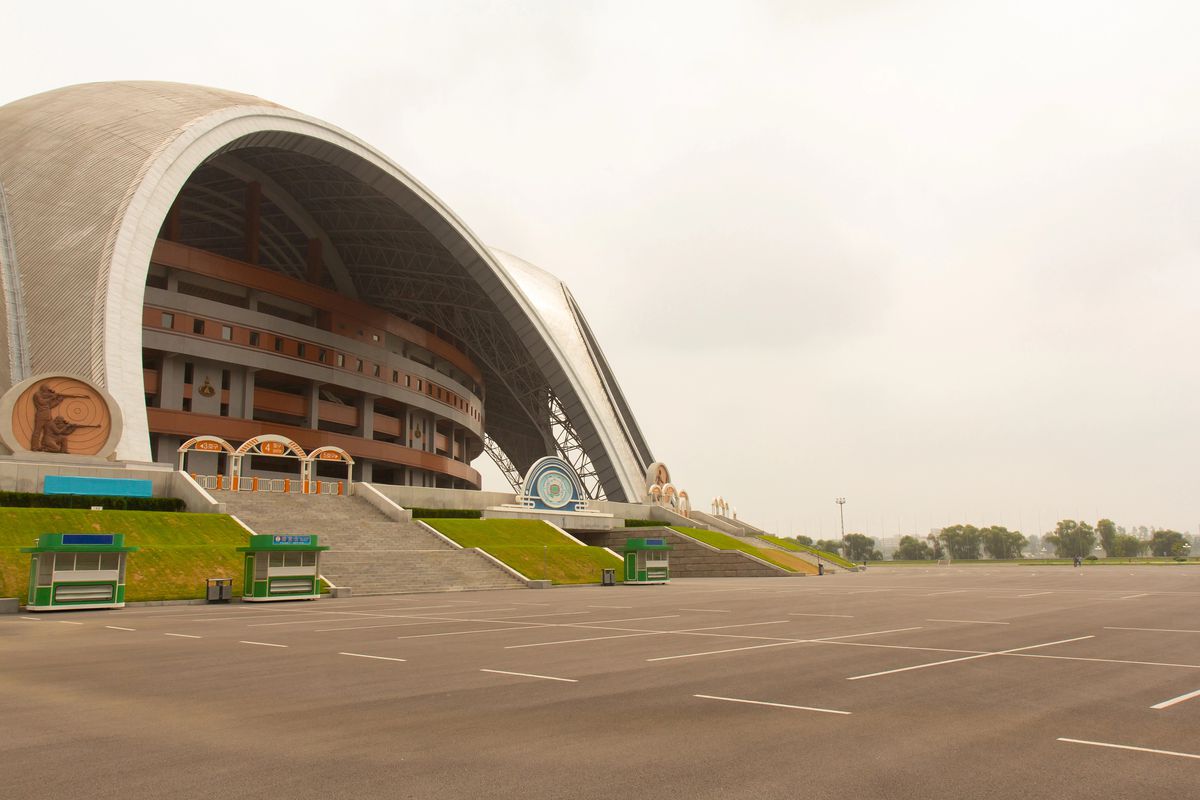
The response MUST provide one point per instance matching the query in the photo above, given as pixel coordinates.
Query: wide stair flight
(371, 554)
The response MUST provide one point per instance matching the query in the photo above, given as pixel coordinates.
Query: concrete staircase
(690, 558)
(371, 554)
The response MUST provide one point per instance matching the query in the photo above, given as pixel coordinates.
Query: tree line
(1070, 539)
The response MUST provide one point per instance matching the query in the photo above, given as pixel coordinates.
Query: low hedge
(445, 513)
(85, 501)
(644, 523)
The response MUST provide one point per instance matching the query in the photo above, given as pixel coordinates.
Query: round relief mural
(61, 415)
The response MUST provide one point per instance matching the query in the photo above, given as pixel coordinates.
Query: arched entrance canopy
(204, 444)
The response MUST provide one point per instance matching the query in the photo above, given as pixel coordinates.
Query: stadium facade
(217, 264)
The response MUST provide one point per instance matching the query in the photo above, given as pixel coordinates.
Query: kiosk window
(64, 562)
(110, 561)
(45, 569)
(310, 559)
(277, 559)
(260, 567)
(87, 561)
(292, 558)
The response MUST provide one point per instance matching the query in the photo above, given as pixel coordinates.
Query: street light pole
(841, 501)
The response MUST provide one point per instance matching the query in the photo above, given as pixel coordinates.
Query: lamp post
(841, 501)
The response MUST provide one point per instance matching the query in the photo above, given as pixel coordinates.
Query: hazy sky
(940, 258)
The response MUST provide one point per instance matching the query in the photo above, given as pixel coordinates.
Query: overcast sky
(939, 258)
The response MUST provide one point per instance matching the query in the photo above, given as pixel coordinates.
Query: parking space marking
(528, 675)
(774, 705)
(1130, 747)
(68, 622)
(119, 628)
(379, 658)
(718, 652)
(183, 635)
(1106, 660)
(589, 639)
(969, 621)
(868, 633)
(1035, 594)
(464, 633)
(708, 610)
(1134, 596)
(32, 619)
(966, 658)
(952, 591)
(1175, 700)
(840, 616)
(1155, 630)
(620, 607)
(262, 644)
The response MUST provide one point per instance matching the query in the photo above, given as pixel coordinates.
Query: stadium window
(360, 365)
(168, 320)
(198, 326)
(301, 350)
(395, 376)
(376, 370)
(254, 338)
(322, 355)
(341, 360)
(408, 381)
(278, 345)
(418, 384)
(374, 337)
(226, 333)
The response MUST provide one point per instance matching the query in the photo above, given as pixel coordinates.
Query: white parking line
(183, 635)
(868, 633)
(841, 616)
(119, 628)
(262, 644)
(966, 658)
(1154, 630)
(69, 622)
(589, 639)
(1130, 747)
(718, 652)
(464, 633)
(528, 675)
(380, 658)
(774, 705)
(952, 591)
(32, 619)
(1134, 596)
(1035, 594)
(708, 610)
(1174, 700)
(621, 607)
(969, 621)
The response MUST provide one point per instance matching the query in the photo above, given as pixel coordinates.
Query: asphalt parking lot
(947, 682)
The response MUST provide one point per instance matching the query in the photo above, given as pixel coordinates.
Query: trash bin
(608, 577)
(220, 590)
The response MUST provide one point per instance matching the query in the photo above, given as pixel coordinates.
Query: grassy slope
(795, 546)
(726, 542)
(178, 551)
(531, 547)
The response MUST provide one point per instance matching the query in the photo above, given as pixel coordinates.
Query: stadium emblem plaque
(551, 484)
(59, 415)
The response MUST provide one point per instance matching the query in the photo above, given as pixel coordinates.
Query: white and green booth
(282, 567)
(72, 571)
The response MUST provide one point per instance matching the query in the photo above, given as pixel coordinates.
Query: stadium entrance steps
(371, 554)
(691, 558)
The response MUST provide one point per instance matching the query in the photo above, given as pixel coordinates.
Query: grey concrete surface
(958, 682)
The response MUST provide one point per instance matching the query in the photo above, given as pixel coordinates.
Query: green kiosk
(282, 567)
(71, 571)
(646, 561)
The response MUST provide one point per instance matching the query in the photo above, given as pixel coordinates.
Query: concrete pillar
(247, 396)
(366, 416)
(170, 383)
(314, 405)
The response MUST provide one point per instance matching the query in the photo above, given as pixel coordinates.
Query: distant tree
(961, 541)
(1106, 529)
(1072, 539)
(828, 545)
(1127, 546)
(806, 540)
(912, 549)
(1035, 544)
(935, 546)
(876, 555)
(1000, 542)
(1167, 543)
(858, 547)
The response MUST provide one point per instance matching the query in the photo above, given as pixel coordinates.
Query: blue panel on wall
(108, 487)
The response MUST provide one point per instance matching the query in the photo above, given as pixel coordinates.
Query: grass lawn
(178, 550)
(796, 547)
(726, 542)
(1047, 562)
(531, 547)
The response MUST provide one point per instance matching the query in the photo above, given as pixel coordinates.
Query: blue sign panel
(291, 539)
(87, 538)
(654, 542)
